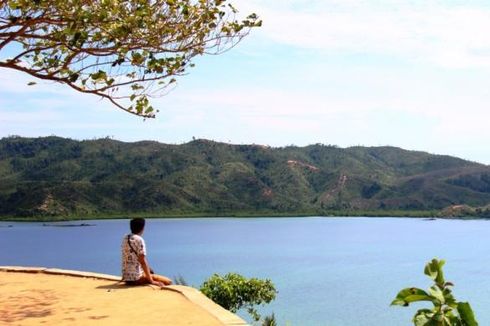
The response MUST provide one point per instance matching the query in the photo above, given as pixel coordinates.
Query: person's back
(135, 267)
(132, 246)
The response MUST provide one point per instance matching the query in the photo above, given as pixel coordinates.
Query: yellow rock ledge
(45, 296)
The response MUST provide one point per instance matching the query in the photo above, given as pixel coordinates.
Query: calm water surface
(328, 271)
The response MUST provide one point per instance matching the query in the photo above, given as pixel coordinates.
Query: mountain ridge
(55, 176)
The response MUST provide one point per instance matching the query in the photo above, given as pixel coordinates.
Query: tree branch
(75, 87)
(105, 47)
(13, 36)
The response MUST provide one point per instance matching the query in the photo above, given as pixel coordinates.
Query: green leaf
(73, 77)
(424, 317)
(449, 298)
(408, 295)
(137, 58)
(466, 314)
(136, 87)
(99, 75)
(434, 270)
(436, 292)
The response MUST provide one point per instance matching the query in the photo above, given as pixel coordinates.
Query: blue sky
(412, 74)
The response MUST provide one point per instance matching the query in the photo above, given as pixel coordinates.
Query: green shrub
(234, 292)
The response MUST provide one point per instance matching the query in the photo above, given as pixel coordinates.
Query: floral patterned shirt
(131, 268)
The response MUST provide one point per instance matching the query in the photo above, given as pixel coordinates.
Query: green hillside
(53, 176)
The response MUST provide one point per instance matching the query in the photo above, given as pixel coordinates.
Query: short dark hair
(137, 225)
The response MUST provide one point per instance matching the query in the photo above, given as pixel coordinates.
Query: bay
(328, 271)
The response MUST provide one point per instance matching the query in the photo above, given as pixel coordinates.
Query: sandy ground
(43, 299)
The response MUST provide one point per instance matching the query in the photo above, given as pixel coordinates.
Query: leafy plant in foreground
(180, 280)
(446, 311)
(233, 292)
(269, 320)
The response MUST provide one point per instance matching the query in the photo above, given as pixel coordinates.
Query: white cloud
(432, 121)
(446, 35)
(28, 118)
(15, 82)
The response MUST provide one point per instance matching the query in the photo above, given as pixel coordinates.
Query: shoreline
(344, 214)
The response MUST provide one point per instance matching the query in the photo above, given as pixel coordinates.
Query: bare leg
(159, 278)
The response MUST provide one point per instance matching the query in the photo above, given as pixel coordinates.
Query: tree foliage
(126, 51)
(446, 311)
(234, 292)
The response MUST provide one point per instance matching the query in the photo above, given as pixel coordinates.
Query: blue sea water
(328, 271)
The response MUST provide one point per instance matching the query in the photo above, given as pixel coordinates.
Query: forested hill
(54, 176)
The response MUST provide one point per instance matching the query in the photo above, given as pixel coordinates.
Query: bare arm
(146, 268)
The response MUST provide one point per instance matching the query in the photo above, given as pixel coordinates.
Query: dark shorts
(141, 281)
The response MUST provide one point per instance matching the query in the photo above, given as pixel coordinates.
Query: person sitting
(135, 267)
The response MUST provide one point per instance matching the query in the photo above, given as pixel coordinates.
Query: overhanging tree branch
(123, 51)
